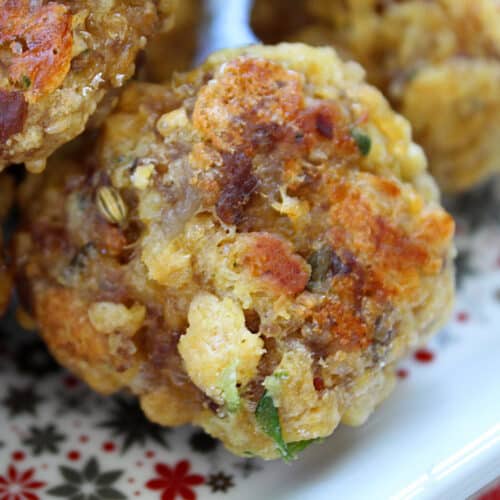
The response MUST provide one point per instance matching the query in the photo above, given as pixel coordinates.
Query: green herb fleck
(269, 422)
(229, 389)
(363, 141)
(26, 82)
(298, 446)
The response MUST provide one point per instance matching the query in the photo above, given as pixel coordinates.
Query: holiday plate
(438, 436)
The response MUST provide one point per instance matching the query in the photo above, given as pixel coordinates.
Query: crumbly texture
(234, 250)
(6, 199)
(437, 61)
(59, 60)
(174, 48)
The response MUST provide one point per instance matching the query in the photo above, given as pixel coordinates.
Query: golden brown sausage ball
(437, 61)
(59, 60)
(174, 49)
(6, 199)
(250, 249)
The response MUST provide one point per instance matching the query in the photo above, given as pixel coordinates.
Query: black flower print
(22, 400)
(220, 482)
(128, 422)
(33, 358)
(201, 442)
(44, 439)
(247, 467)
(90, 483)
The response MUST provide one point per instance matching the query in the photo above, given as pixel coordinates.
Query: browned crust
(238, 183)
(251, 93)
(41, 44)
(272, 259)
(75, 339)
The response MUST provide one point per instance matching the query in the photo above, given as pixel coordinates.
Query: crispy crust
(274, 95)
(273, 260)
(46, 34)
(62, 58)
(328, 265)
(438, 62)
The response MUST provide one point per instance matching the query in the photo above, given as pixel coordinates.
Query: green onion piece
(363, 141)
(229, 388)
(298, 446)
(269, 422)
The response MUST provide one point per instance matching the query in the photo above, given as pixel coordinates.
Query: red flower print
(175, 481)
(17, 485)
(493, 494)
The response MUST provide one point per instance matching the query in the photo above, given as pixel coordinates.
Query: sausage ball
(437, 61)
(175, 47)
(6, 199)
(59, 60)
(250, 249)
